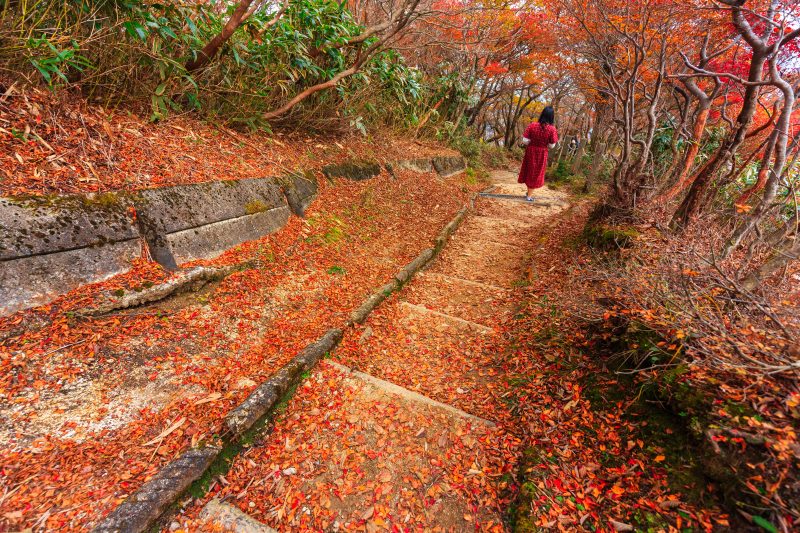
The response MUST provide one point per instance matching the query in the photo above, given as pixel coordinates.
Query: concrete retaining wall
(300, 190)
(203, 220)
(352, 170)
(51, 245)
(420, 164)
(449, 165)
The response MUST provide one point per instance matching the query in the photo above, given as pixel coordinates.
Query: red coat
(535, 162)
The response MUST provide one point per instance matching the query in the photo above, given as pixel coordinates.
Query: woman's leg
(530, 192)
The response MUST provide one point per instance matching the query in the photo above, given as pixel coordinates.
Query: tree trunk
(780, 144)
(309, 91)
(204, 56)
(763, 170)
(577, 162)
(698, 196)
(598, 154)
(791, 150)
(597, 146)
(682, 177)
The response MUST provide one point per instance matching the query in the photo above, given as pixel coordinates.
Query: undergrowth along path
(407, 427)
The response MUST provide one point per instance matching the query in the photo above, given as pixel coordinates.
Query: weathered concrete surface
(419, 164)
(416, 264)
(51, 245)
(449, 165)
(374, 300)
(201, 221)
(447, 231)
(269, 393)
(397, 390)
(218, 516)
(38, 279)
(468, 325)
(143, 507)
(186, 280)
(189, 206)
(300, 190)
(43, 225)
(352, 170)
(210, 240)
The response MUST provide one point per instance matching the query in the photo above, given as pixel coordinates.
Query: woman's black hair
(548, 116)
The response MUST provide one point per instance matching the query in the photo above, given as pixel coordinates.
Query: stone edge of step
(219, 514)
(419, 309)
(397, 390)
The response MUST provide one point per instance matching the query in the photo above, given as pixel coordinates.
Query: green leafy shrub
(560, 172)
(130, 51)
(608, 238)
(52, 63)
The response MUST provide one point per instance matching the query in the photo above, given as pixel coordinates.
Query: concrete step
(406, 394)
(523, 211)
(355, 453)
(433, 354)
(510, 231)
(467, 300)
(473, 259)
(503, 176)
(442, 322)
(541, 201)
(219, 516)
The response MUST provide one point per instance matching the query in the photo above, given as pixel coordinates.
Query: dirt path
(405, 426)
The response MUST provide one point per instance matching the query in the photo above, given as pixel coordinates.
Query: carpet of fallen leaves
(58, 143)
(94, 406)
(559, 458)
(590, 461)
(346, 456)
(342, 457)
(721, 358)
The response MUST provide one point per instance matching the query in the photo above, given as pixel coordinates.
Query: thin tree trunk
(677, 133)
(577, 161)
(699, 193)
(697, 197)
(204, 56)
(763, 170)
(311, 90)
(698, 128)
(781, 134)
(793, 149)
(399, 20)
(597, 145)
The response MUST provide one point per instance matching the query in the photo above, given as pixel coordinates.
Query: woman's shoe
(528, 199)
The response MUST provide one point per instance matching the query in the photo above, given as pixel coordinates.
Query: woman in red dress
(538, 137)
